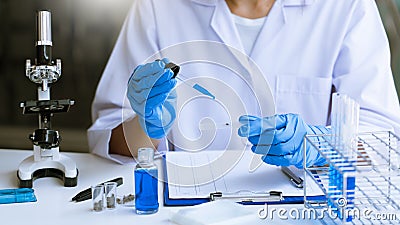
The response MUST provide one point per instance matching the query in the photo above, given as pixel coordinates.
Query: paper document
(197, 174)
(213, 213)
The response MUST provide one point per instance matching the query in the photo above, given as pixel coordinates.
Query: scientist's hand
(280, 139)
(151, 95)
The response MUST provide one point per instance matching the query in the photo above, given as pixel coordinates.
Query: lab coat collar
(297, 2)
(224, 26)
(222, 23)
(206, 2)
(276, 20)
(274, 23)
(284, 2)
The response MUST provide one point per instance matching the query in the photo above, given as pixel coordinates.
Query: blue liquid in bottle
(146, 183)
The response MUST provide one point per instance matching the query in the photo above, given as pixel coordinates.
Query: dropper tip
(203, 91)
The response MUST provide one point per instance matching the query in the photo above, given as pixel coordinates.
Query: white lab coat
(306, 50)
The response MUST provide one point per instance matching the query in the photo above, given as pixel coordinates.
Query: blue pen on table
(17, 195)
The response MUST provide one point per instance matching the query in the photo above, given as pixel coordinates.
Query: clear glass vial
(110, 194)
(98, 197)
(146, 183)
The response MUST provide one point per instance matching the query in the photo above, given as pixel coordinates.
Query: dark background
(84, 33)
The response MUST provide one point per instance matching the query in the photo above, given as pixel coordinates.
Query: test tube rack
(362, 187)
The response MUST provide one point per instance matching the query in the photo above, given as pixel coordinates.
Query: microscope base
(64, 169)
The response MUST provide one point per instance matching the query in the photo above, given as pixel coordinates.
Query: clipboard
(242, 197)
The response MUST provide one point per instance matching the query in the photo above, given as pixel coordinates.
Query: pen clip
(296, 181)
(272, 196)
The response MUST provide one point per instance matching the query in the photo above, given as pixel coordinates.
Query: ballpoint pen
(296, 180)
(248, 196)
(87, 193)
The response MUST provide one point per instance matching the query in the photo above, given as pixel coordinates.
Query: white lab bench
(54, 204)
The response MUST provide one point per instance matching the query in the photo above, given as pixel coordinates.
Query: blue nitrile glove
(280, 139)
(151, 95)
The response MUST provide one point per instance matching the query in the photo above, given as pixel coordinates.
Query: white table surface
(54, 204)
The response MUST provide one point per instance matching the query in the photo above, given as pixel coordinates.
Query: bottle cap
(145, 155)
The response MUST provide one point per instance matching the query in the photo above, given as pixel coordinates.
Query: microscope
(46, 160)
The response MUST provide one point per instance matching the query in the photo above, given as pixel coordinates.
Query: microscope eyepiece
(44, 71)
(43, 42)
(43, 25)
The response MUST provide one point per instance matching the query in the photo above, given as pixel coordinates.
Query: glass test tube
(98, 198)
(110, 193)
(344, 118)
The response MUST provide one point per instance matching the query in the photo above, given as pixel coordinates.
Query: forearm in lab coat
(128, 137)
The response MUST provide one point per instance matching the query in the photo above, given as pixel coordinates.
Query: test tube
(98, 197)
(345, 118)
(110, 193)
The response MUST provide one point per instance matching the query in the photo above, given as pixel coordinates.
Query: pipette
(175, 69)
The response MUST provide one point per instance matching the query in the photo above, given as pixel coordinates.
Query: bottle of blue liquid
(146, 182)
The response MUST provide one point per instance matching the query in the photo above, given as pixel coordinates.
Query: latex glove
(280, 139)
(151, 95)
